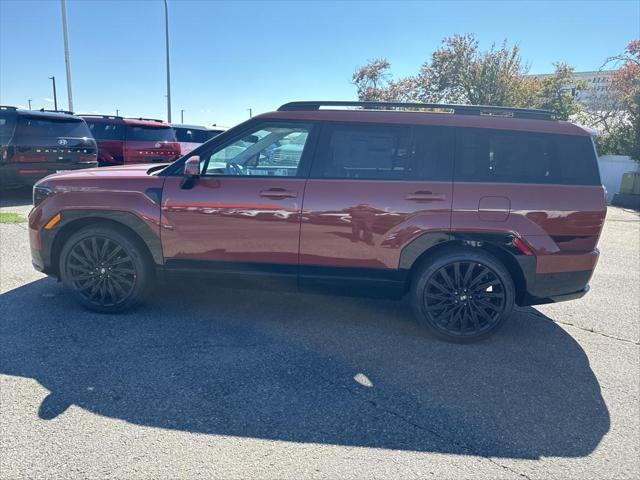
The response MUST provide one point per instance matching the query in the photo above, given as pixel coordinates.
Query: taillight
(31, 158)
(520, 245)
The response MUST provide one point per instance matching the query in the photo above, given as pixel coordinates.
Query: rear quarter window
(521, 157)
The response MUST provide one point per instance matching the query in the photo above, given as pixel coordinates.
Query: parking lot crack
(588, 330)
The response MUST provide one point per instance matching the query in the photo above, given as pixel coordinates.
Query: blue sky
(229, 56)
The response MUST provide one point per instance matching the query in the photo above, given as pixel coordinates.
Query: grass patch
(11, 217)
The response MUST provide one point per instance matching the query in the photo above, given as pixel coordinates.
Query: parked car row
(36, 143)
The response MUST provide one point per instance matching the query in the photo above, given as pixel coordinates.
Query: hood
(122, 171)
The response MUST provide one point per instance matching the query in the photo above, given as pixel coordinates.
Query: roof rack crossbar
(452, 108)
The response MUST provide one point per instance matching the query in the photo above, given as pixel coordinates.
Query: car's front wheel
(463, 296)
(105, 268)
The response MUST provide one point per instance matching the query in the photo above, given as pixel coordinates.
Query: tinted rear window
(520, 157)
(45, 131)
(193, 135)
(213, 133)
(150, 134)
(106, 131)
(7, 127)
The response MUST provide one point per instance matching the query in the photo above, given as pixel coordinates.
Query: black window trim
(228, 137)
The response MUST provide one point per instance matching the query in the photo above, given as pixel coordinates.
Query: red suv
(468, 210)
(132, 140)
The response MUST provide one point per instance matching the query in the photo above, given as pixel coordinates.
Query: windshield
(151, 134)
(46, 131)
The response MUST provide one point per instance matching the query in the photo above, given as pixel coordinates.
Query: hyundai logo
(62, 141)
(158, 145)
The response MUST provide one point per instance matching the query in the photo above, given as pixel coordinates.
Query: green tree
(459, 72)
(558, 92)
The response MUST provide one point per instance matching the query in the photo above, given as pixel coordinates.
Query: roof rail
(147, 119)
(530, 113)
(112, 117)
(7, 107)
(55, 111)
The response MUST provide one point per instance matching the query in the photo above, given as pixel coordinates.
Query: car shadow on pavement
(306, 368)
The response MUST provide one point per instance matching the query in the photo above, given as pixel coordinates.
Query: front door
(242, 216)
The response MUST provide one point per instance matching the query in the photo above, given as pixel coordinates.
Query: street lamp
(181, 116)
(117, 112)
(29, 103)
(63, 5)
(55, 95)
(250, 112)
(166, 32)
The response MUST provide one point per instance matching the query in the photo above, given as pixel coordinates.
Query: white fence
(612, 167)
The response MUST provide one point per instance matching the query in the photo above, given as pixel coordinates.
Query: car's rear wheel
(106, 269)
(463, 296)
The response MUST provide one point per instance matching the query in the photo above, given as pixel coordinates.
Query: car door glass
(270, 150)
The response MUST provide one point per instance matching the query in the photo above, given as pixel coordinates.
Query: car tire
(106, 268)
(463, 295)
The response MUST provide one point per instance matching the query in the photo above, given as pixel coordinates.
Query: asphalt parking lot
(207, 382)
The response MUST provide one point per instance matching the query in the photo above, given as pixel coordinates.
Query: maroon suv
(132, 140)
(468, 210)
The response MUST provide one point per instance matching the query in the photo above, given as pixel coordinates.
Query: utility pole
(63, 4)
(117, 112)
(250, 112)
(29, 104)
(55, 95)
(182, 116)
(166, 32)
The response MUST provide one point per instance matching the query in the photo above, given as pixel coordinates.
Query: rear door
(242, 216)
(373, 188)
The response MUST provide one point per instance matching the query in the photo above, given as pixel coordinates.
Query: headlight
(40, 193)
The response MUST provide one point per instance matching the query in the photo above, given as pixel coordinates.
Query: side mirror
(191, 171)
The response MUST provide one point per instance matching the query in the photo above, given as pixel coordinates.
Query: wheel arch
(429, 245)
(126, 222)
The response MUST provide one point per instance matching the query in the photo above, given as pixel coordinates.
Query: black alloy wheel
(464, 297)
(101, 271)
(106, 268)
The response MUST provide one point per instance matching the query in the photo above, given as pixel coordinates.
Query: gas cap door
(494, 209)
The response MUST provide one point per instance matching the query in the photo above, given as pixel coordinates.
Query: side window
(519, 157)
(270, 150)
(364, 152)
(433, 153)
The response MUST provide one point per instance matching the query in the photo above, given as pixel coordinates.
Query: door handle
(425, 196)
(278, 193)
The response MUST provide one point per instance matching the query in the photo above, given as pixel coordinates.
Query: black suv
(36, 143)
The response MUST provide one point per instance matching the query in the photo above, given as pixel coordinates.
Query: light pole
(117, 112)
(250, 112)
(55, 95)
(63, 5)
(29, 103)
(181, 116)
(166, 32)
